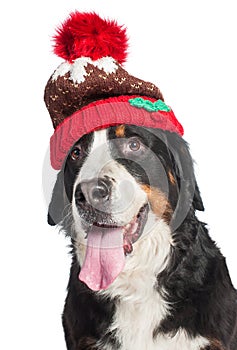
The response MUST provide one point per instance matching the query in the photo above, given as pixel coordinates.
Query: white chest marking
(180, 341)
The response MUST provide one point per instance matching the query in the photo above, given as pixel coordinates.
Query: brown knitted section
(63, 97)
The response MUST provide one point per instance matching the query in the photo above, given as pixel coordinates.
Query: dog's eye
(75, 153)
(134, 145)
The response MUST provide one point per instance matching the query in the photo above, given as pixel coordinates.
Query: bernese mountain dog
(145, 273)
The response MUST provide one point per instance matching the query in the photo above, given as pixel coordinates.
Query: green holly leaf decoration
(150, 106)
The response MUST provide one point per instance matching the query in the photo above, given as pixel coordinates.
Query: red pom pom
(86, 34)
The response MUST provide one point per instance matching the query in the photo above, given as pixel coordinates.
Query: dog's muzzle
(108, 239)
(93, 201)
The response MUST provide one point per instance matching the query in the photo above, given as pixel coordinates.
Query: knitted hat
(91, 89)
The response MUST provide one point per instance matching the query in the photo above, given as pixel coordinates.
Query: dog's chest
(134, 325)
(136, 320)
(141, 305)
(139, 312)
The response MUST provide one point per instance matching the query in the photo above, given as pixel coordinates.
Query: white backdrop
(187, 48)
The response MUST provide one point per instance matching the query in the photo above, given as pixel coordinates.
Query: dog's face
(118, 184)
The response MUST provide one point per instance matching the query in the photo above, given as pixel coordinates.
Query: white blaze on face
(127, 197)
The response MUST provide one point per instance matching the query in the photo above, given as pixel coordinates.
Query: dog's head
(116, 186)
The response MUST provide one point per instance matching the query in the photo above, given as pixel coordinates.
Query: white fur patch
(181, 341)
(77, 68)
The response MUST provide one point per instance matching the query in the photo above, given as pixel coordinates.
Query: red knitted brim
(102, 114)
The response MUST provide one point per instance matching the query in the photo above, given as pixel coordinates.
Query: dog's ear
(57, 203)
(184, 171)
(197, 200)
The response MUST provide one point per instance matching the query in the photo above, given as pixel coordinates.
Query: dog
(145, 273)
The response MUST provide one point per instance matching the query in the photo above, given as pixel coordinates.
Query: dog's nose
(96, 192)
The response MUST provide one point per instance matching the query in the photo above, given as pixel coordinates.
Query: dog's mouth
(107, 246)
(131, 231)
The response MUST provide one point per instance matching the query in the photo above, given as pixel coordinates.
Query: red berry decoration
(88, 35)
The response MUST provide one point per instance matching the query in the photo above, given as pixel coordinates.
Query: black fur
(197, 281)
(86, 315)
(199, 287)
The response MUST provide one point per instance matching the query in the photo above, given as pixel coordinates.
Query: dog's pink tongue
(104, 259)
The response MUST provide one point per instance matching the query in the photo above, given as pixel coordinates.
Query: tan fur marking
(214, 345)
(159, 203)
(171, 178)
(120, 131)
